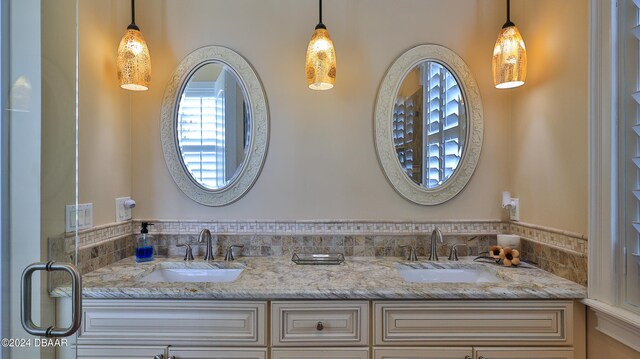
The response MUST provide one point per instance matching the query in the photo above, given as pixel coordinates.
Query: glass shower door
(38, 147)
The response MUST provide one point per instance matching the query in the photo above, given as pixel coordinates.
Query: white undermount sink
(447, 275)
(192, 275)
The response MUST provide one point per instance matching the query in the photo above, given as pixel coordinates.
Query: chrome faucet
(205, 235)
(435, 236)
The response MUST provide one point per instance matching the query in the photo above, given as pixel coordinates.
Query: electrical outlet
(122, 213)
(78, 217)
(514, 211)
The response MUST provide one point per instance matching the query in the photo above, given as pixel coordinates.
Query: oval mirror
(214, 126)
(428, 124)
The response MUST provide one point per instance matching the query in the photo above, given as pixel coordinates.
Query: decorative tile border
(325, 227)
(562, 240)
(96, 235)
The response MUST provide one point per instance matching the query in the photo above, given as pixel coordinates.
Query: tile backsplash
(559, 252)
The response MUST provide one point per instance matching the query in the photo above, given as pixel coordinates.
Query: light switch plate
(122, 213)
(78, 217)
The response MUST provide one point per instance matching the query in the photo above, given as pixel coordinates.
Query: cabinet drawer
(160, 322)
(422, 353)
(124, 352)
(208, 353)
(338, 323)
(320, 353)
(473, 323)
(524, 353)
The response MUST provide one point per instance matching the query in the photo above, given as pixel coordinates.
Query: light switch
(78, 217)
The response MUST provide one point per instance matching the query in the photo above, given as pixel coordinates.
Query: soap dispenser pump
(144, 244)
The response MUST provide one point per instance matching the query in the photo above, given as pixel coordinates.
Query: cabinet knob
(159, 356)
(319, 326)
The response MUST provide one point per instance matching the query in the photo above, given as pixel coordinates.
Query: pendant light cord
(133, 25)
(320, 24)
(133, 11)
(508, 23)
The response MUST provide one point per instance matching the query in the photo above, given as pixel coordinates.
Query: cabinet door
(423, 353)
(128, 352)
(208, 353)
(525, 353)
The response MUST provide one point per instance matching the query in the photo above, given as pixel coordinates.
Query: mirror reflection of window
(212, 125)
(429, 124)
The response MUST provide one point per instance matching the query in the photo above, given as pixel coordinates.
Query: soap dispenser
(144, 244)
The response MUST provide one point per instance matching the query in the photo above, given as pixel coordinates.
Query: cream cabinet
(337, 329)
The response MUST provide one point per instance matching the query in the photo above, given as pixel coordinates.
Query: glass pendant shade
(134, 61)
(321, 61)
(509, 59)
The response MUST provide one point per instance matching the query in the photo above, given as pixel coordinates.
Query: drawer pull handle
(481, 357)
(159, 356)
(319, 326)
(467, 357)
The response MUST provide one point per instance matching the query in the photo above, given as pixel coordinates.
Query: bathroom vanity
(360, 309)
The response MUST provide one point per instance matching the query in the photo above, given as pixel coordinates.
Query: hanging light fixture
(509, 56)
(134, 61)
(321, 59)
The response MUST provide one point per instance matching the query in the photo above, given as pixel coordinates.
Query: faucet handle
(453, 254)
(412, 256)
(228, 256)
(188, 255)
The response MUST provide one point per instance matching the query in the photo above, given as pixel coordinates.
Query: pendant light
(321, 59)
(134, 61)
(509, 56)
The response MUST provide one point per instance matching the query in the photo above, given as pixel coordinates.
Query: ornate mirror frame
(383, 118)
(256, 151)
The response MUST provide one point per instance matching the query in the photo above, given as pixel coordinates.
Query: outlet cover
(78, 217)
(122, 213)
(514, 212)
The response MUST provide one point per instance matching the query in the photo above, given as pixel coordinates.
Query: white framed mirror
(428, 124)
(214, 126)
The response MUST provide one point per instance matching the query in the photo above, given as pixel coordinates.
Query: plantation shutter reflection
(444, 107)
(201, 134)
(430, 156)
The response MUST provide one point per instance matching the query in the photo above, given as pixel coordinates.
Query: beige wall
(548, 137)
(321, 162)
(601, 346)
(104, 167)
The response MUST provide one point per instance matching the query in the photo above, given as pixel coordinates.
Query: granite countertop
(266, 278)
